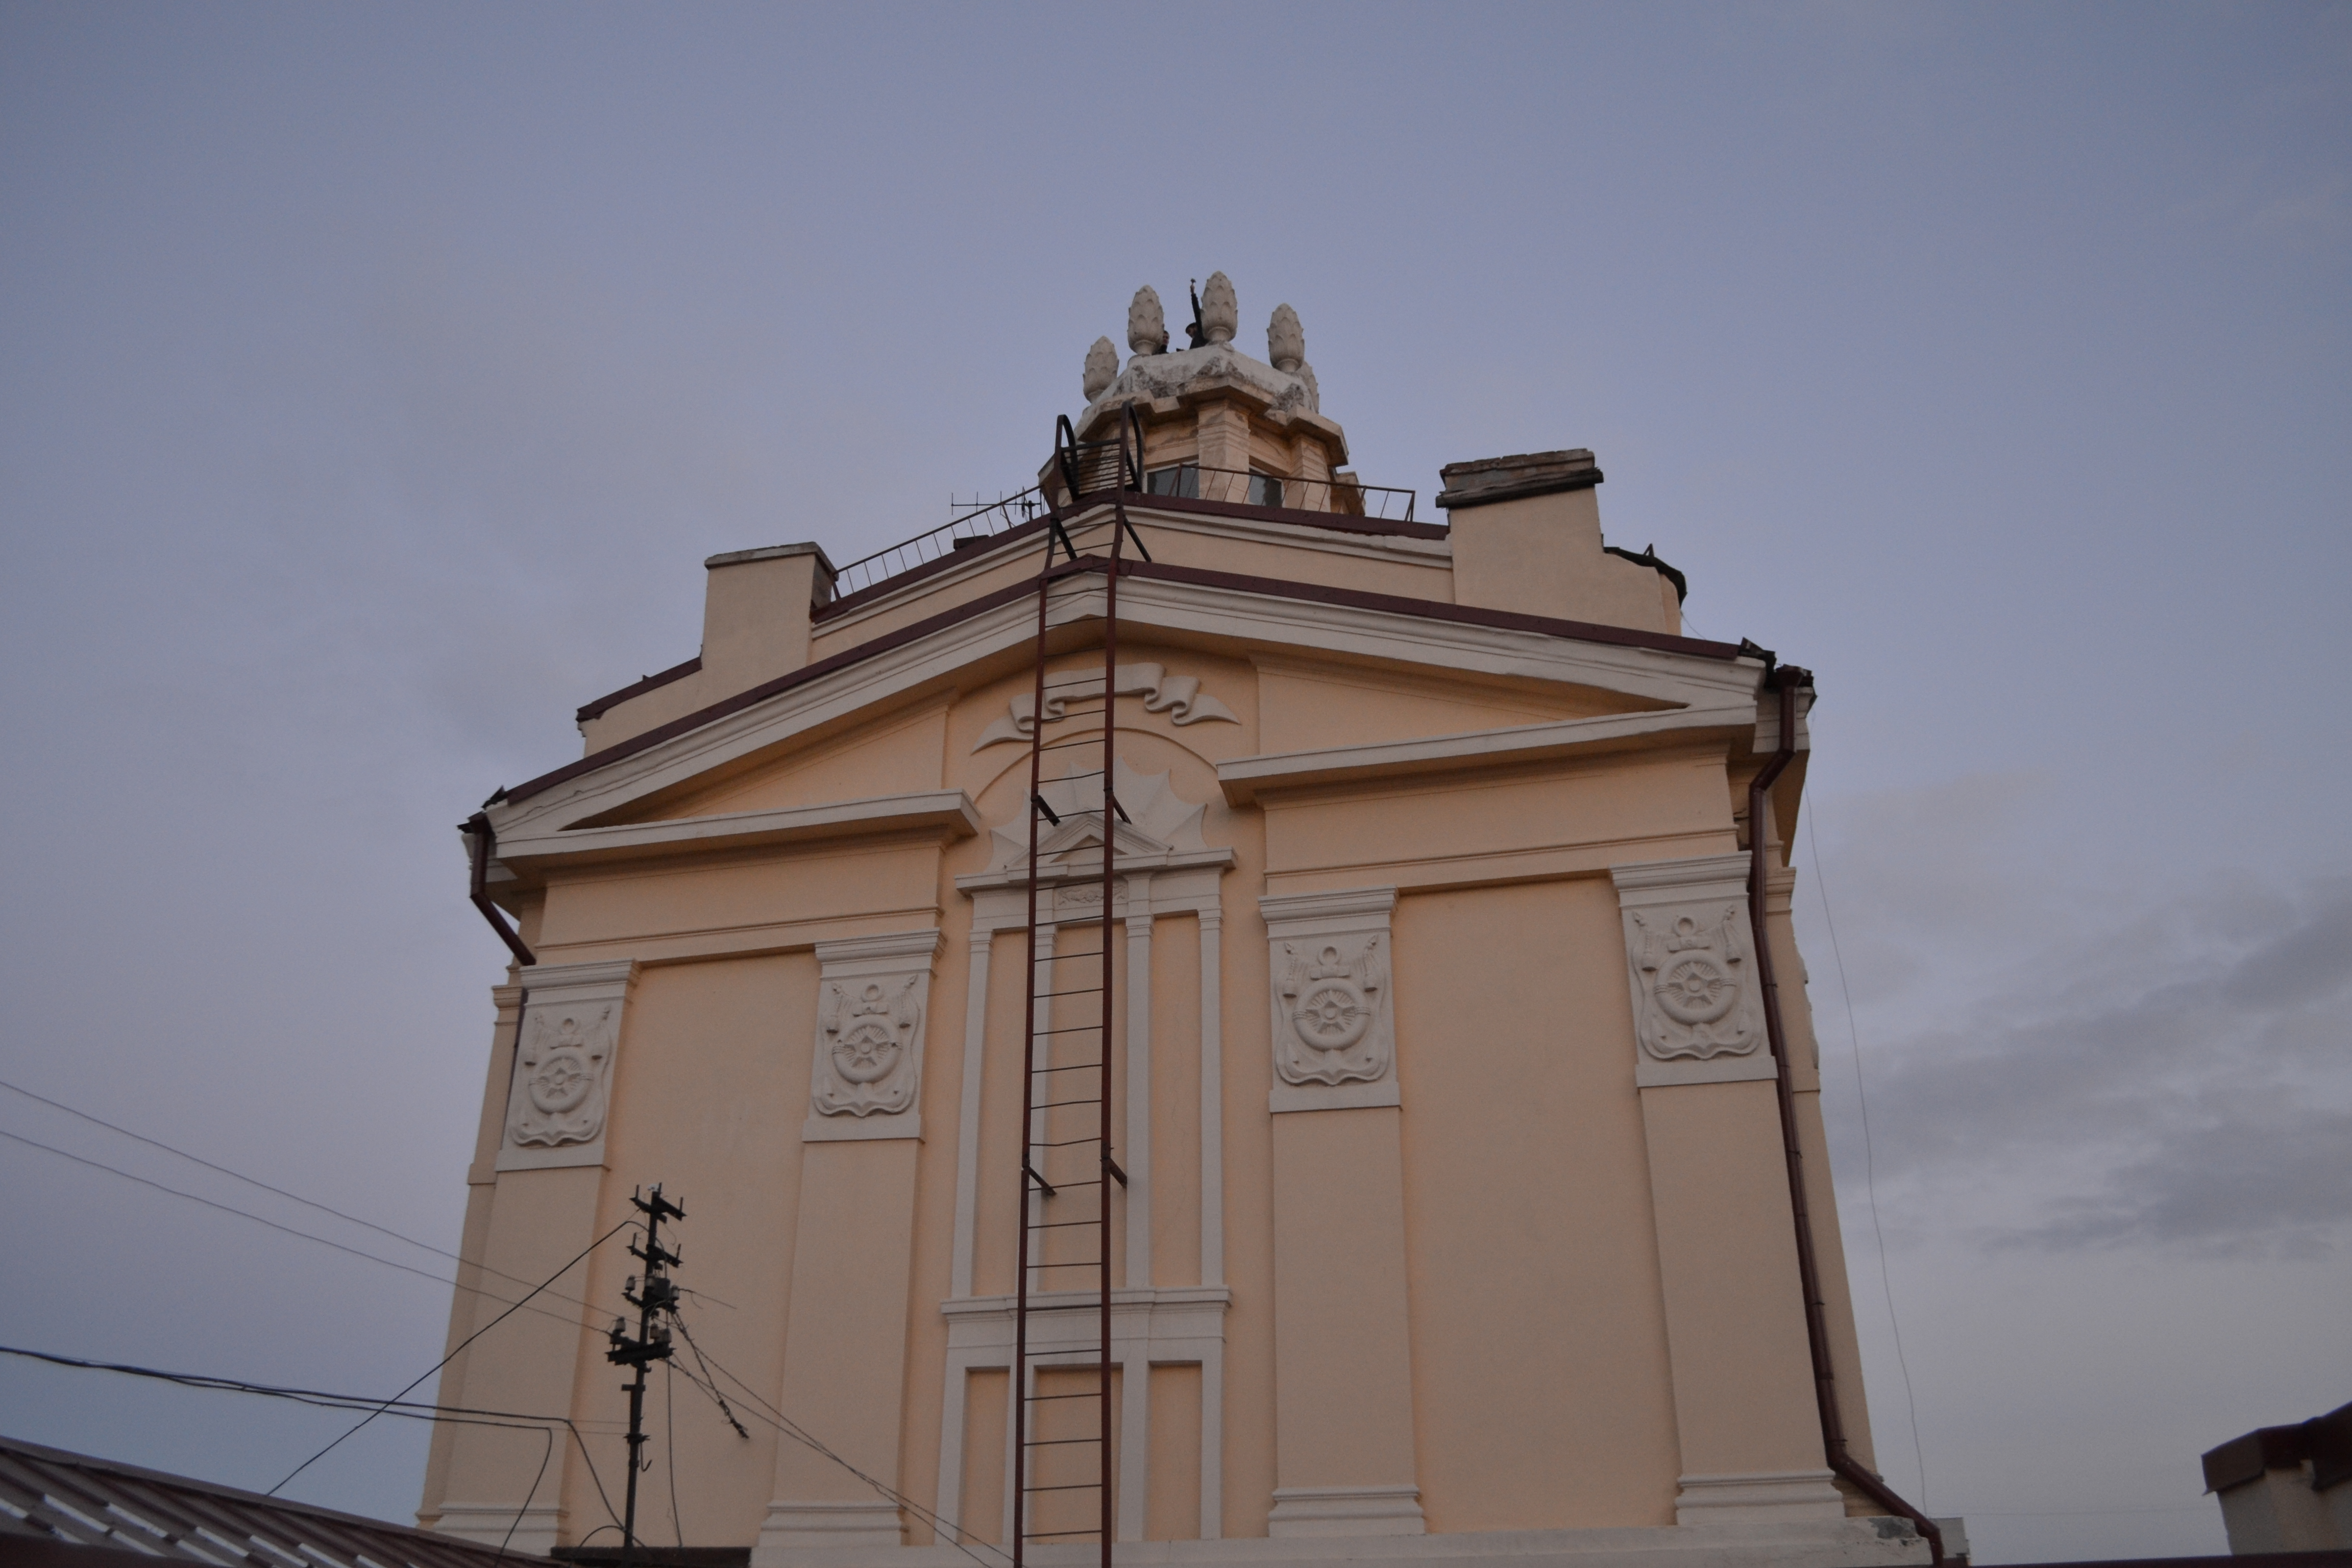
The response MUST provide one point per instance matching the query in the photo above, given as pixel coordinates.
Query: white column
(975, 1029)
(1212, 1120)
(1041, 988)
(1137, 1156)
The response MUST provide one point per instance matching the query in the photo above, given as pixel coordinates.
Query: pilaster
(1744, 1411)
(1343, 1378)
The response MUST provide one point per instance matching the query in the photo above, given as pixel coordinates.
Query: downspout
(483, 841)
(1787, 679)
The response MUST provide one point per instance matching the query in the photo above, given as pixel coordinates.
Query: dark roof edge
(599, 706)
(1310, 593)
(67, 1456)
(1648, 556)
(1488, 480)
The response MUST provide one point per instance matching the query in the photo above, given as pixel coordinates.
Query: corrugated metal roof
(49, 1494)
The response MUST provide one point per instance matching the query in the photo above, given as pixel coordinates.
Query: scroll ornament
(1693, 979)
(866, 1046)
(1178, 696)
(1330, 1006)
(563, 1063)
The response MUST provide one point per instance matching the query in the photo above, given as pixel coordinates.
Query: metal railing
(968, 527)
(1339, 496)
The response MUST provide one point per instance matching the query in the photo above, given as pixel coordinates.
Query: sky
(375, 380)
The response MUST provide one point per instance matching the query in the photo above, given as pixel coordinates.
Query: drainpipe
(484, 842)
(1786, 679)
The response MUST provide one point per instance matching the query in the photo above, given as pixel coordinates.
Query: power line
(772, 1416)
(281, 1192)
(1869, 1160)
(257, 1219)
(445, 1359)
(457, 1414)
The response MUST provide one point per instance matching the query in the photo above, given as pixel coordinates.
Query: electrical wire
(403, 1409)
(670, 1438)
(1869, 1160)
(453, 1355)
(254, 1182)
(287, 1229)
(762, 1410)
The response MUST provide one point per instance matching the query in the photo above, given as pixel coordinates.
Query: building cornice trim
(1244, 777)
(947, 811)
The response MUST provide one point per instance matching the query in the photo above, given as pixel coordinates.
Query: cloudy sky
(375, 380)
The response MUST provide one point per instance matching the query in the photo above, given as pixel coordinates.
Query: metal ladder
(1064, 1487)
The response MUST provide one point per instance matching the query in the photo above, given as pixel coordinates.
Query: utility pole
(653, 1295)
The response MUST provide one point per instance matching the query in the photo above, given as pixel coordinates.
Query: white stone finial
(1102, 367)
(1285, 341)
(1146, 323)
(1219, 312)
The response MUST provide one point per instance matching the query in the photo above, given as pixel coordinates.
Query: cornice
(949, 813)
(1242, 778)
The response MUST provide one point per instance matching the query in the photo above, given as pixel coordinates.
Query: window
(1265, 489)
(1180, 479)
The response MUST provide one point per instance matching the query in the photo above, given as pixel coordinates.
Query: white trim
(1702, 876)
(878, 954)
(1350, 909)
(1146, 604)
(1244, 777)
(1213, 1116)
(1138, 1162)
(1345, 1510)
(1759, 1496)
(1170, 1326)
(975, 1042)
(793, 1528)
(950, 811)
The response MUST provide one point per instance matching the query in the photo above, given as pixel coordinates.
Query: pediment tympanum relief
(1178, 696)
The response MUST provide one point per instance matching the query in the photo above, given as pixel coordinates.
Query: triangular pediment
(979, 642)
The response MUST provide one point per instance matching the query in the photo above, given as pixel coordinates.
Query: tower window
(1178, 479)
(1265, 489)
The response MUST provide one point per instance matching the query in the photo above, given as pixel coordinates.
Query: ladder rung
(1057, 1442)
(1072, 1029)
(1080, 991)
(1070, 1142)
(1074, 1067)
(1090, 1393)
(1043, 1534)
(1066, 1224)
(1065, 1186)
(1063, 957)
(1069, 1487)
(1052, 1104)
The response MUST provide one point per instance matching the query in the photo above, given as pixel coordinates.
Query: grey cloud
(2178, 1078)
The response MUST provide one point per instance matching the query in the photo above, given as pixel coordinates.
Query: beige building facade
(1459, 1043)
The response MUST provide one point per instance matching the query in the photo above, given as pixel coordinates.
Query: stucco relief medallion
(866, 1029)
(1693, 983)
(562, 1064)
(1329, 996)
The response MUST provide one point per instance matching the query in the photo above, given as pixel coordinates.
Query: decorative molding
(560, 1097)
(1334, 1023)
(1346, 1510)
(524, 1531)
(1697, 1014)
(793, 1528)
(1178, 696)
(947, 811)
(966, 634)
(866, 1064)
(1242, 778)
(1759, 1496)
(1172, 1325)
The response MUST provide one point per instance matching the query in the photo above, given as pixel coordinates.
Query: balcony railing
(1341, 496)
